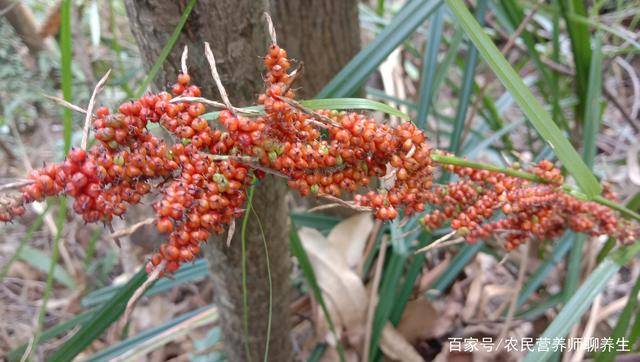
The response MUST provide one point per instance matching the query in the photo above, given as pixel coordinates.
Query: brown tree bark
(325, 34)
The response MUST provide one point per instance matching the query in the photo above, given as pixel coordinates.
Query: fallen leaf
(350, 236)
(632, 163)
(418, 320)
(343, 290)
(396, 347)
(346, 296)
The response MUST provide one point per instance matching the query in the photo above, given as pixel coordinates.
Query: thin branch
(131, 304)
(183, 60)
(272, 29)
(89, 112)
(341, 202)
(216, 77)
(436, 243)
(15, 184)
(65, 104)
(214, 104)
(323, 121)
(131, 229)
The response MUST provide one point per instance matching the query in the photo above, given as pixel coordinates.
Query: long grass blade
(307, 270)
(429, 64)
(579, 303)
(100, 321)
(166, 50)
(355, 73)
(530, 106)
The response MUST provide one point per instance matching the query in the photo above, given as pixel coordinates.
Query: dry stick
(516, 292)
(115, 238)
(16, 184)
(89, 115)
(369, 248)
(635, 83)
(272, 29)
(589, 327)
(322, 121)
(344, 203)
(435, 243)
(373, 300)
(216, 77)
(505, 49)
(214, 104)
(183, 60)
(65, 104)
(131, 304)
(131, 229)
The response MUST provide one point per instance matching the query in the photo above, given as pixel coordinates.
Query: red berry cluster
(204, 176)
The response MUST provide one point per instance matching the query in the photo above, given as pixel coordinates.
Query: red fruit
(77, 155)
(165, 225)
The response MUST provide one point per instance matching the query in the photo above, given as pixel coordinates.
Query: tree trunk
(325, 34)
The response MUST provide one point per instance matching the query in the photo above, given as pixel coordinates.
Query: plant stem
(456, 161)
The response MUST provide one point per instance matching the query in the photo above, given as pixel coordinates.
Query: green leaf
(530, 106)
(356, 72)
(353, 103)
(66, 53)
(42, 262)
(333, 104)
(153, 338)
(592, 107)
(307, 270)
(580, 46)
(620, 330)
(187, 273)
(466, 88)
(579, 303)
(457, 264)
(52, 332)
(23, 243)
(166, 50)
(429, 64)
(100, 321)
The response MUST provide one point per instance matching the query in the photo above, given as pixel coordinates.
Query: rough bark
(237, 33)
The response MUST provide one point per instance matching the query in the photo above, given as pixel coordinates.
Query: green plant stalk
(452, 160)
(466, 87)
(528, 103)
(166, 50)
(245, 292)
(55, 252)
(65, 64)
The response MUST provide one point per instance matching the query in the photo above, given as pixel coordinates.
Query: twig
(341, 202)
(294, 76)
(373, 300)
(65, 104)
(214, 104)
(435, 243)
(198, 99)
(183, 60)
(155, 275)
(131, 229)
(89, 112)
(16, 184)
(216, 77)
(272, 29)
(115, 238)
(324, 121)
(516, 291)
